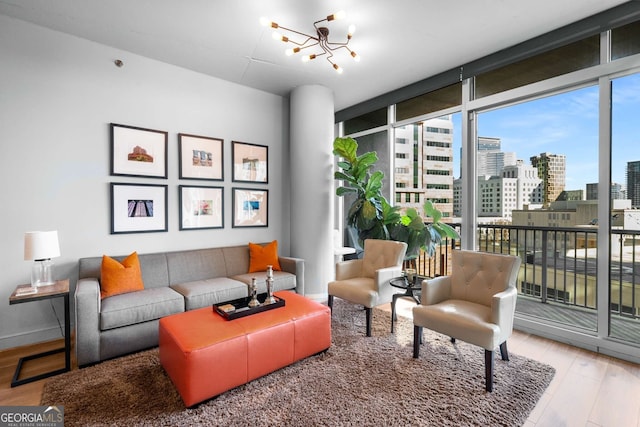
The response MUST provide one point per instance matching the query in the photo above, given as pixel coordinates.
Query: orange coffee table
(205, 354)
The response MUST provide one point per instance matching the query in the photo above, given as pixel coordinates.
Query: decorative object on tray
(270, 299)
(242, 308)
(253, 293)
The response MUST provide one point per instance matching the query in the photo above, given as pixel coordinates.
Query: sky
(567, 124)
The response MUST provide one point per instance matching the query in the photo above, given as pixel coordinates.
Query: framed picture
(250, 207)
(138, 208)
(200, 157)
(250, 162)
(138, 152)
(201, 207)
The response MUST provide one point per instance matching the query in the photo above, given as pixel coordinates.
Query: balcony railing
(559, 269)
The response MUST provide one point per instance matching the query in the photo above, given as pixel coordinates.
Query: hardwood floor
(588, 389)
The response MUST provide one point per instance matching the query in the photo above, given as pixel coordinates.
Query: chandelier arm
(303, 44)
(310, 45)
(344, 46)
(309, 37)
(337, 44)
(315, 24)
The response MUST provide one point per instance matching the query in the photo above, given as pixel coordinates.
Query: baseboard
(19, 340)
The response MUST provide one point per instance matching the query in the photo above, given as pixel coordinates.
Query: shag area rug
(358, 381)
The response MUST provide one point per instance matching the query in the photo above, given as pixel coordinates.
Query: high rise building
(552, 171)
(490, 158)
(423, 168)
(633, 182)
(617, 191)
(437, 163)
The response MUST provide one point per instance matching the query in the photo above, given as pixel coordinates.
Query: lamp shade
(39, 245)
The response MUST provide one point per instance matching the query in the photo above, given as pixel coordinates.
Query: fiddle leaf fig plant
(372, 215)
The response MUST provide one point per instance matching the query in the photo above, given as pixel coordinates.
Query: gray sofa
(173, 282)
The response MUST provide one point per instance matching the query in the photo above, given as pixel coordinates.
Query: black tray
(242, 309)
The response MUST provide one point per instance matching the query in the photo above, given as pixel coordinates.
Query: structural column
(312, 200)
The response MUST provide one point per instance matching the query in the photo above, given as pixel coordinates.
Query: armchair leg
(330, 303)
(488, 369)
(503, 351)
(369, 314)
(417, 340)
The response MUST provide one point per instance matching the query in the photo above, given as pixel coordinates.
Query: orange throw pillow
(261, 256)
(119, 278)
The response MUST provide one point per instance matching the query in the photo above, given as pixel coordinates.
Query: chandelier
(320, 39)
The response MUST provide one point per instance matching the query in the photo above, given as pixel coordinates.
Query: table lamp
(41, 246)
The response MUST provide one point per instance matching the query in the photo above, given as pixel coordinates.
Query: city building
(517, 187)
(552, 171)
(633, 182)
(423, 168)
(490, 158)
(617, 191)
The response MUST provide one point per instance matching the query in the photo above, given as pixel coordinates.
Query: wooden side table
(60, 289)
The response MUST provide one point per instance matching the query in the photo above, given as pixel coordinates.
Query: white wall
(58, 95)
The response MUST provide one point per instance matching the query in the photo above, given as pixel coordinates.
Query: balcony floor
(585, 319)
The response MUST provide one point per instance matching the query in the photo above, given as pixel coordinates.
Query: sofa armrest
(435, 290)
(87, 301)
(294, 266)
(503, 305)
(348, 269)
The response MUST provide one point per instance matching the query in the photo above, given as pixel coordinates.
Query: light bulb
(290, 52)
(308, 58)
(338, 15)
(352, 30)
(355, 56)
(267, 22)
(337, 68)
(277, 36)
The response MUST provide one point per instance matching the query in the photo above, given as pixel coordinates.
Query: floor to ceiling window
(625, 215)
(535, 161)
(538, 129)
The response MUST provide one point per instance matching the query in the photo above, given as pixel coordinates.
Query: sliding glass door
(535, 163)
(624, 290)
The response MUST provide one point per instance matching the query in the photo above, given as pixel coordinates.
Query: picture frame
(201, 207)
(138, 151)
(138, 208)
(250, 162)
(200, 157)
(250, 207)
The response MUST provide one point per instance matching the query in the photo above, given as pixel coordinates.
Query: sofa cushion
(202, 293)
(193, 265)
(154, 269)
(119, 277)
(281, 280)
(141, 306)
(261, 256)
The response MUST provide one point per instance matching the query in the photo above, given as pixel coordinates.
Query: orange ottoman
(205, 354)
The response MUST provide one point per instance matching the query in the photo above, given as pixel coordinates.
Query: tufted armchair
(365, 281)
(475, 304)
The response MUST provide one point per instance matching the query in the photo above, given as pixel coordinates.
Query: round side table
(411, 290)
